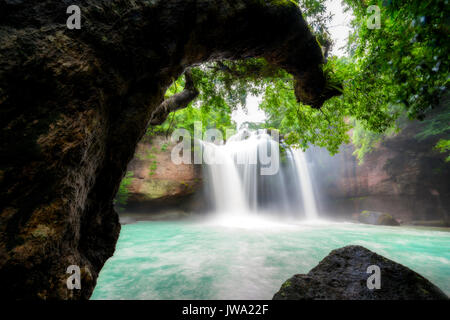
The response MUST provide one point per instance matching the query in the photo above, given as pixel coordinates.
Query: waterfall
(248, 175)
(228, 195)
(309, 201)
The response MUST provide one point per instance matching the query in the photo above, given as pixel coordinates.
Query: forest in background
(390, 76)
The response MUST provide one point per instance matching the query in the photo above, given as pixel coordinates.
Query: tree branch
(176, 102)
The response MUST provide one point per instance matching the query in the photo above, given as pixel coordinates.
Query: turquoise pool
(250, 260)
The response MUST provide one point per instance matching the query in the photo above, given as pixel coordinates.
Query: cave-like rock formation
(74, 104)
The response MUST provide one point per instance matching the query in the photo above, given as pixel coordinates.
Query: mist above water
(253, 240)
(248, 176)
(309, 200)
(211, 260)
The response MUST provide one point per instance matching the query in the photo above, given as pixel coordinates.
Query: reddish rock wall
(401, 176)
(158, 183)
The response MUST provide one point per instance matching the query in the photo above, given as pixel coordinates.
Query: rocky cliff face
(402, 176)
(75, 103)
(158, 183)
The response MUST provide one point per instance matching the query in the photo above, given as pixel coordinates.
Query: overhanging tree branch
(176, 102)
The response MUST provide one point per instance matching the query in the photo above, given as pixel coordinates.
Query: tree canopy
(397, 70)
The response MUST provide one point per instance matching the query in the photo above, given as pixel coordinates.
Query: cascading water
(239, 255)
(226, 184)
(249, 175)
(309, 201)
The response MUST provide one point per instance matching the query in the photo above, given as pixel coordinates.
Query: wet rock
(75, 103)
(377, 218)
(342, 275)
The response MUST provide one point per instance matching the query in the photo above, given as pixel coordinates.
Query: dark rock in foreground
(75, 103)
(342, 275)
(377, 218)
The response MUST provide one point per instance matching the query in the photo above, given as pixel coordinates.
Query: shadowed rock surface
(75, 103)
(342, 275)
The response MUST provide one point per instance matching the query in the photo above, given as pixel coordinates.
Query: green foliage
(122, 194)
(315, 13)
(437, 124)
(398, 70)
(153, 167)
(444, 146)
(365, 140)
(164, 147)
(302, 125)
(406, 60)
(213, 107)
(150, 154)
(225, 85)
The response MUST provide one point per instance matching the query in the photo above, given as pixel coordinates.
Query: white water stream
(247, 175)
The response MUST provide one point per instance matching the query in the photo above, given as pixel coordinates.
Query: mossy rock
(377, 218)
(154, 189)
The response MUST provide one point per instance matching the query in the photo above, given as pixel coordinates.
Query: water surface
(251, 259)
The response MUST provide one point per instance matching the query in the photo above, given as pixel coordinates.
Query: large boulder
(75, 103)
(343, 275)
(377, 218)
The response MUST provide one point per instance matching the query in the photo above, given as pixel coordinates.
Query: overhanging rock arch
(74, 104)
